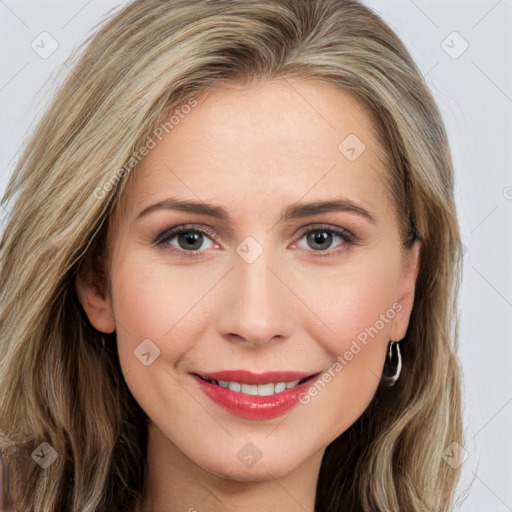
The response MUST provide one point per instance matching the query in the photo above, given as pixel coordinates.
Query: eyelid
(346, 235)
(184, 227)
(327, 227)
(348, 240)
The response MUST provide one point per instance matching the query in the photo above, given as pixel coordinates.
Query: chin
(261, 471)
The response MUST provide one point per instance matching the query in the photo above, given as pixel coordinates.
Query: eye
(187, 239)
(322, 238)
(192, 240)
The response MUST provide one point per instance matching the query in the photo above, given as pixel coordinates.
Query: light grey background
(473, 87)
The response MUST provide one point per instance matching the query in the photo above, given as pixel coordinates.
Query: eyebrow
(292, 211)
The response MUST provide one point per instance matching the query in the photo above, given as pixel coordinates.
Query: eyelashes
(332, 232)
(194, 235)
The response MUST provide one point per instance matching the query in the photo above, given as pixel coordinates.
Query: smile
(254, 396)
(268, 389)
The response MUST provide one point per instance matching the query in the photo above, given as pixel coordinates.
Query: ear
(405, 291)
(95, 300)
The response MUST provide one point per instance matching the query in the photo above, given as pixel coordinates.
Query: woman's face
(244, 288)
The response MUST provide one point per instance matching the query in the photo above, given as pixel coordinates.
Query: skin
(253, 150)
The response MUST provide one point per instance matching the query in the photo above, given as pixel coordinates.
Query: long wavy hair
(60, 379)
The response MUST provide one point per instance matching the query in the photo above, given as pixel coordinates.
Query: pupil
(194, 240)
(190, 238)
(319, 237)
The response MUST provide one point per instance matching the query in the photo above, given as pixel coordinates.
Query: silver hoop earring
(392, 365)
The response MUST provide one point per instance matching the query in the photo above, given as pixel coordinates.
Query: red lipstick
(252, 406)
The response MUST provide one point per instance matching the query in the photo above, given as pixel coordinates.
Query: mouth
(254, 396)
(268, 388)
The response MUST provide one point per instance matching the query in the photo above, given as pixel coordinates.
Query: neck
(175, 483)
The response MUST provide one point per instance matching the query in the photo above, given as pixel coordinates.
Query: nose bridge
(256, 311)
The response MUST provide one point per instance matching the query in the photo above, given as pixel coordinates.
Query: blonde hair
(60, 379)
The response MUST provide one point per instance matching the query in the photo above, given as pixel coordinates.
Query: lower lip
(253, 407)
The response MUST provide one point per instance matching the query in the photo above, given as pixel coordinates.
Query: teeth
(235, 386)
(249, 389)
(268, 389)
(280, 386)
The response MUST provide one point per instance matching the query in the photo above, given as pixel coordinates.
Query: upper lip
(248, 377)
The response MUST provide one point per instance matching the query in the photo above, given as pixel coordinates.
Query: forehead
(257, 147)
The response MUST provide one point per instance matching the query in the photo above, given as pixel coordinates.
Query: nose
(259, 306)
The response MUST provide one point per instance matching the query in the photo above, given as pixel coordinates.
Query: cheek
(354, 304)
(359, 312)
(153, 309)
(160, 303)
(144, 309)
(151, 299)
